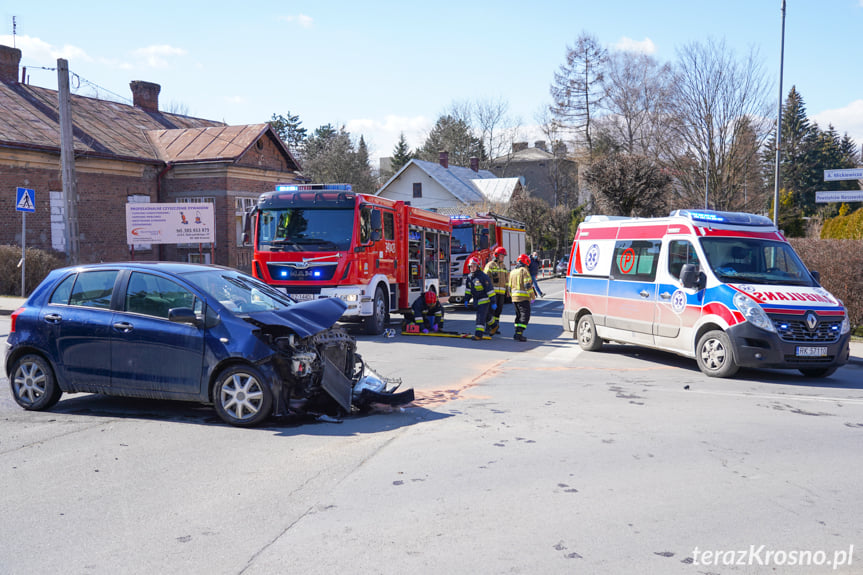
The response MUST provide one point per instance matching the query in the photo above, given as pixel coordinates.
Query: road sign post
(25, 201)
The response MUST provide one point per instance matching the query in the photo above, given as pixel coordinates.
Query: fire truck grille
(286, 272)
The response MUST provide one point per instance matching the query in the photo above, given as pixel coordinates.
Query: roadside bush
(39, 263)
(840, 263)
(844, 227)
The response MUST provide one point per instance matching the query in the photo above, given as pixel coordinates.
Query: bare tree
(491, 122)
(636, 98)
(562, 169)
(534, 213)
(577, 87)
(717, 104)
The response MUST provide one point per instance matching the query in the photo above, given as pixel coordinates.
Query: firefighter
(522, 291)
(426, 313)
(479, 288)
(499, 276)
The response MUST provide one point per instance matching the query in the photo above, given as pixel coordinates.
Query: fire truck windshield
(462, 239)
(305, 229)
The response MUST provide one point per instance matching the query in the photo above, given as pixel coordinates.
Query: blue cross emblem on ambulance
(678, 301)
(592, 257)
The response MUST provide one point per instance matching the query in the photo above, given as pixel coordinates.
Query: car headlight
(846, 325)
(753, 312)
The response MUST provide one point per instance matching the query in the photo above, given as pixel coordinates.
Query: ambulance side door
(632, 289)
(677, 308)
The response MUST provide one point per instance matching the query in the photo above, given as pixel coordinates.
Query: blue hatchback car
(187, 332)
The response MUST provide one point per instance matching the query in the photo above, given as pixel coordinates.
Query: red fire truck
(477, 236)
(324, 240)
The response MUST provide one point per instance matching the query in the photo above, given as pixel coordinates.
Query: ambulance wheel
(818, 371)
(586, 334)
(715, 356)
(376, 322)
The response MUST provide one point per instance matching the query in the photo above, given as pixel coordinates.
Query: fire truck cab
(323, 240)
(724, 288)
(477, 236)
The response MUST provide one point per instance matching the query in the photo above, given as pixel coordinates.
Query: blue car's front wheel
(241, 397)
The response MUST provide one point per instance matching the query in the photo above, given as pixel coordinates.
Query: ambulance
(725, 288)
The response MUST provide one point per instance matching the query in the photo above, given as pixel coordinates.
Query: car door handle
(53, 317)
(644, 293)
(665, 295)
(124, 326)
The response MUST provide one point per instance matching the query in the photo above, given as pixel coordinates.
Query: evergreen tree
(330, 157)
(290, 131)
(401, 154)
(452, 135)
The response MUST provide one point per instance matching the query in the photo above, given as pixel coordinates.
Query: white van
(723, 287)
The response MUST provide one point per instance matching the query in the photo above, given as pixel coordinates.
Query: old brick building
(127, 154)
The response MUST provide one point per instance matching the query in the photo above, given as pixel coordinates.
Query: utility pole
(67, 162)
(779, 125)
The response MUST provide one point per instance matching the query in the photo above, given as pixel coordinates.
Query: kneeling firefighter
(479, 288)
(426, 313)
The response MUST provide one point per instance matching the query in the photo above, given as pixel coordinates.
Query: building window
(241, 206)
(418, 189)
(198, 200)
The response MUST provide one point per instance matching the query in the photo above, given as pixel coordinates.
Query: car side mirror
(183, 315)
(483, 240)
(376, 236)
(691, 277)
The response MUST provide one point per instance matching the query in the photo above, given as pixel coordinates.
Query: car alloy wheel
(241, 397)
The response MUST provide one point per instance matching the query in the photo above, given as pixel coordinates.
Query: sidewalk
(8, 304)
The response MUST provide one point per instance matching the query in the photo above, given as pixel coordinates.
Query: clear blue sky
(384, 67)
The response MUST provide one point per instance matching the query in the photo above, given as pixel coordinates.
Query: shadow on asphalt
(94, 405)
(778, 376)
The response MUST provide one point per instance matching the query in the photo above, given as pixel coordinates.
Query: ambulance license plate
(803, 351)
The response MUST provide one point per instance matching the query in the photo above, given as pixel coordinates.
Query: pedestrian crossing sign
(26, 201)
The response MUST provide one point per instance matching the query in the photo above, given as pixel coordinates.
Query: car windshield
(753, 260)
(305, 229)
(462, 239)
(238, 292)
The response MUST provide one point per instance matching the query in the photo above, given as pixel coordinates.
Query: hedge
(840, 263)
(37, 266)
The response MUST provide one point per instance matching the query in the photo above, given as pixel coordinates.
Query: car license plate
(302, 296)
(803, 351)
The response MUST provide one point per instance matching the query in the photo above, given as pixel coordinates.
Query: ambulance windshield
(305, 229)
(757, 261)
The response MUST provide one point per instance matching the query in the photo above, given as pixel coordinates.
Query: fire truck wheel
(715, 356)
(376, 322)
(586, 334)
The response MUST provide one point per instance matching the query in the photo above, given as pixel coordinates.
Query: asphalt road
(516, 458)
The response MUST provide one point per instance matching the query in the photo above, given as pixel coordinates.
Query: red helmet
(499, 251)
(431, 297)
(473, 262)
(524, 259)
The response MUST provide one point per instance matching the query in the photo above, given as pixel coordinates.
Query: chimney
(145, 95)
(540, 144)
(518, 146)
(10, 58)
(474, 164)
(444, 159)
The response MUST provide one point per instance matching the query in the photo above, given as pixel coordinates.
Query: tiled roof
(29, 118)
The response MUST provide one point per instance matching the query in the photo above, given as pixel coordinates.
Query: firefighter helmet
(431, 297)
(524, 259)
(499, 251)
(473, 262)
